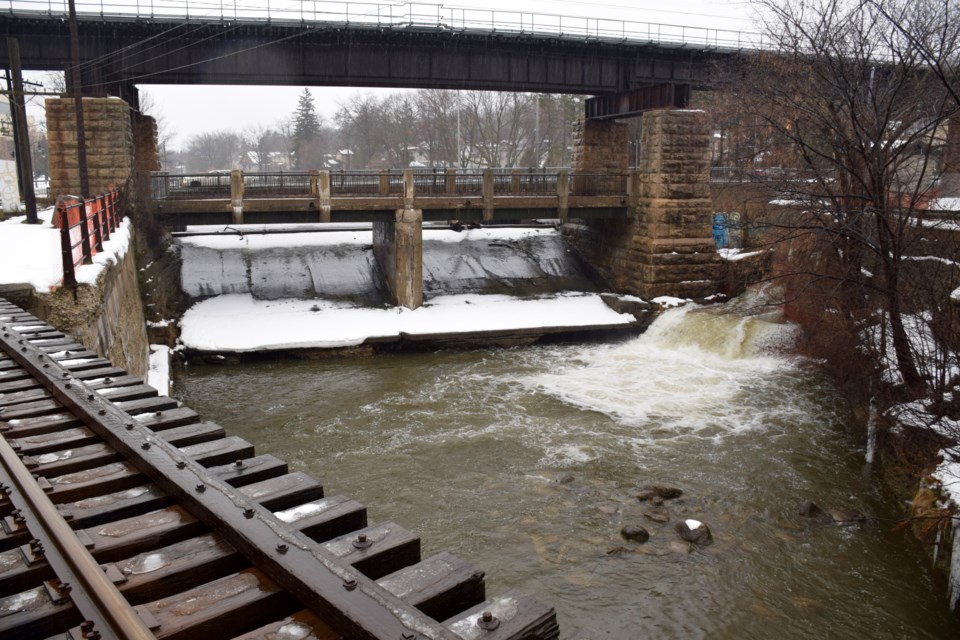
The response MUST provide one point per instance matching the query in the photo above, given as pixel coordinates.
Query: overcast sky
(188, 110)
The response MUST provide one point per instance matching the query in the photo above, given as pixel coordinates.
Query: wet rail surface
(124, 515)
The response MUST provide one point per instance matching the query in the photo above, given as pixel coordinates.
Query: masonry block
(666, 247)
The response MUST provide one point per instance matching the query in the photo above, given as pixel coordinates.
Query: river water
(526, 463)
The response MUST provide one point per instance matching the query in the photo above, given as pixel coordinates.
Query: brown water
(464, 448)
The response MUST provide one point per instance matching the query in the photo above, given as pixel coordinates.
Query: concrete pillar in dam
(665, 245)
(398, 249)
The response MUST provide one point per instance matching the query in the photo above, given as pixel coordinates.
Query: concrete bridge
(490, 195)
(649, 234)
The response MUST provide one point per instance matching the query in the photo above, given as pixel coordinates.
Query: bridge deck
(125, 516)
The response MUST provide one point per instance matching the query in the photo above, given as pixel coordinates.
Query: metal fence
(288, 185)
(190, 186)
(84, 226)
(404, 15)
(372, 183)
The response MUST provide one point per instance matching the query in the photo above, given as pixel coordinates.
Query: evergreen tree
(306, 126)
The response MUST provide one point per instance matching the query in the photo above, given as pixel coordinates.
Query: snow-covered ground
(30, 253)
(242, 323)
(158, 376)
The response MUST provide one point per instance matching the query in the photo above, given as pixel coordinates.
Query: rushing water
(467, 448)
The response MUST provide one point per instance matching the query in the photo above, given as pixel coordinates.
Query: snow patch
(240, 323)
(158, 375)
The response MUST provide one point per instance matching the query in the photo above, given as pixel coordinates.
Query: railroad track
(124, 515)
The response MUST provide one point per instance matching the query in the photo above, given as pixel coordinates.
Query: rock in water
(657, 515)
(695, 532)
(654, 491)
(810, 510)
(635, 533)
(846, 516)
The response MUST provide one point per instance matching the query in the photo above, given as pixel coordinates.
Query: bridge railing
(84, 226)
(168, 186)
(405, 15)
(373, 183)
(281, 184)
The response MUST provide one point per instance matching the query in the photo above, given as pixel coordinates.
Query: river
(526, 462)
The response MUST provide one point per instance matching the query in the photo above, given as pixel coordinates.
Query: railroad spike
(282, 548)
(249, 512)
(487, 621)
(201, 488)
(349, 584)
(362, 542)
(145, 446)
(181, 464)
(129, 426)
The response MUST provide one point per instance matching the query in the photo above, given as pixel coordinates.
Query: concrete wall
(398, 248)
(106, 318)
(109, 143)
(666, 247)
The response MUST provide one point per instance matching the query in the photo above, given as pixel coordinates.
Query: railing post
(98, 222)
(66, 248)
(450, 185)
(384, 182)
(408, 189)
(563, 195)
(105, 211)
(314, 183)
(85, 233)
(487, 192)
(115, 199)
(236, 196)
(515, 180)
(323, 195)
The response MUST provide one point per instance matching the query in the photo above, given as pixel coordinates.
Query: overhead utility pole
(21, 138)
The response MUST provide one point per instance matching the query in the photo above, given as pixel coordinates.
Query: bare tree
(217, 150)
(858, 111)
(498, 126)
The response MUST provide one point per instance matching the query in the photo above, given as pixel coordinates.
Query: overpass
(372, 45)
(650, 239)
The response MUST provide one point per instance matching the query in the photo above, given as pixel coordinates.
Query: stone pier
(665, 247)
(110, 144)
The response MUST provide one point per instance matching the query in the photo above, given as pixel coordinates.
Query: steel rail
(351, 603)
(80, 576)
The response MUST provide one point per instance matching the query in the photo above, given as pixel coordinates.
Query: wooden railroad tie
(123, 515)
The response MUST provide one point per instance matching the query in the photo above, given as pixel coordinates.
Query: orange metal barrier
(84, 226)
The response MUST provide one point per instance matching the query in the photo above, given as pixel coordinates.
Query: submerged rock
(653, 492)
(695, 532)
(635, 533)
(846, 516)
(566, 478)
(810, 509)
(657, 515)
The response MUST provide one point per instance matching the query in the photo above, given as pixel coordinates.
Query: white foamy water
(527, 462)
(693, 372)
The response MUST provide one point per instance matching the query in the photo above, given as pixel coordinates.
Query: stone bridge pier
(665, 245)
(120, 143)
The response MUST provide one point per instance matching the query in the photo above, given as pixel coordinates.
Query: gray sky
(188, 110)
